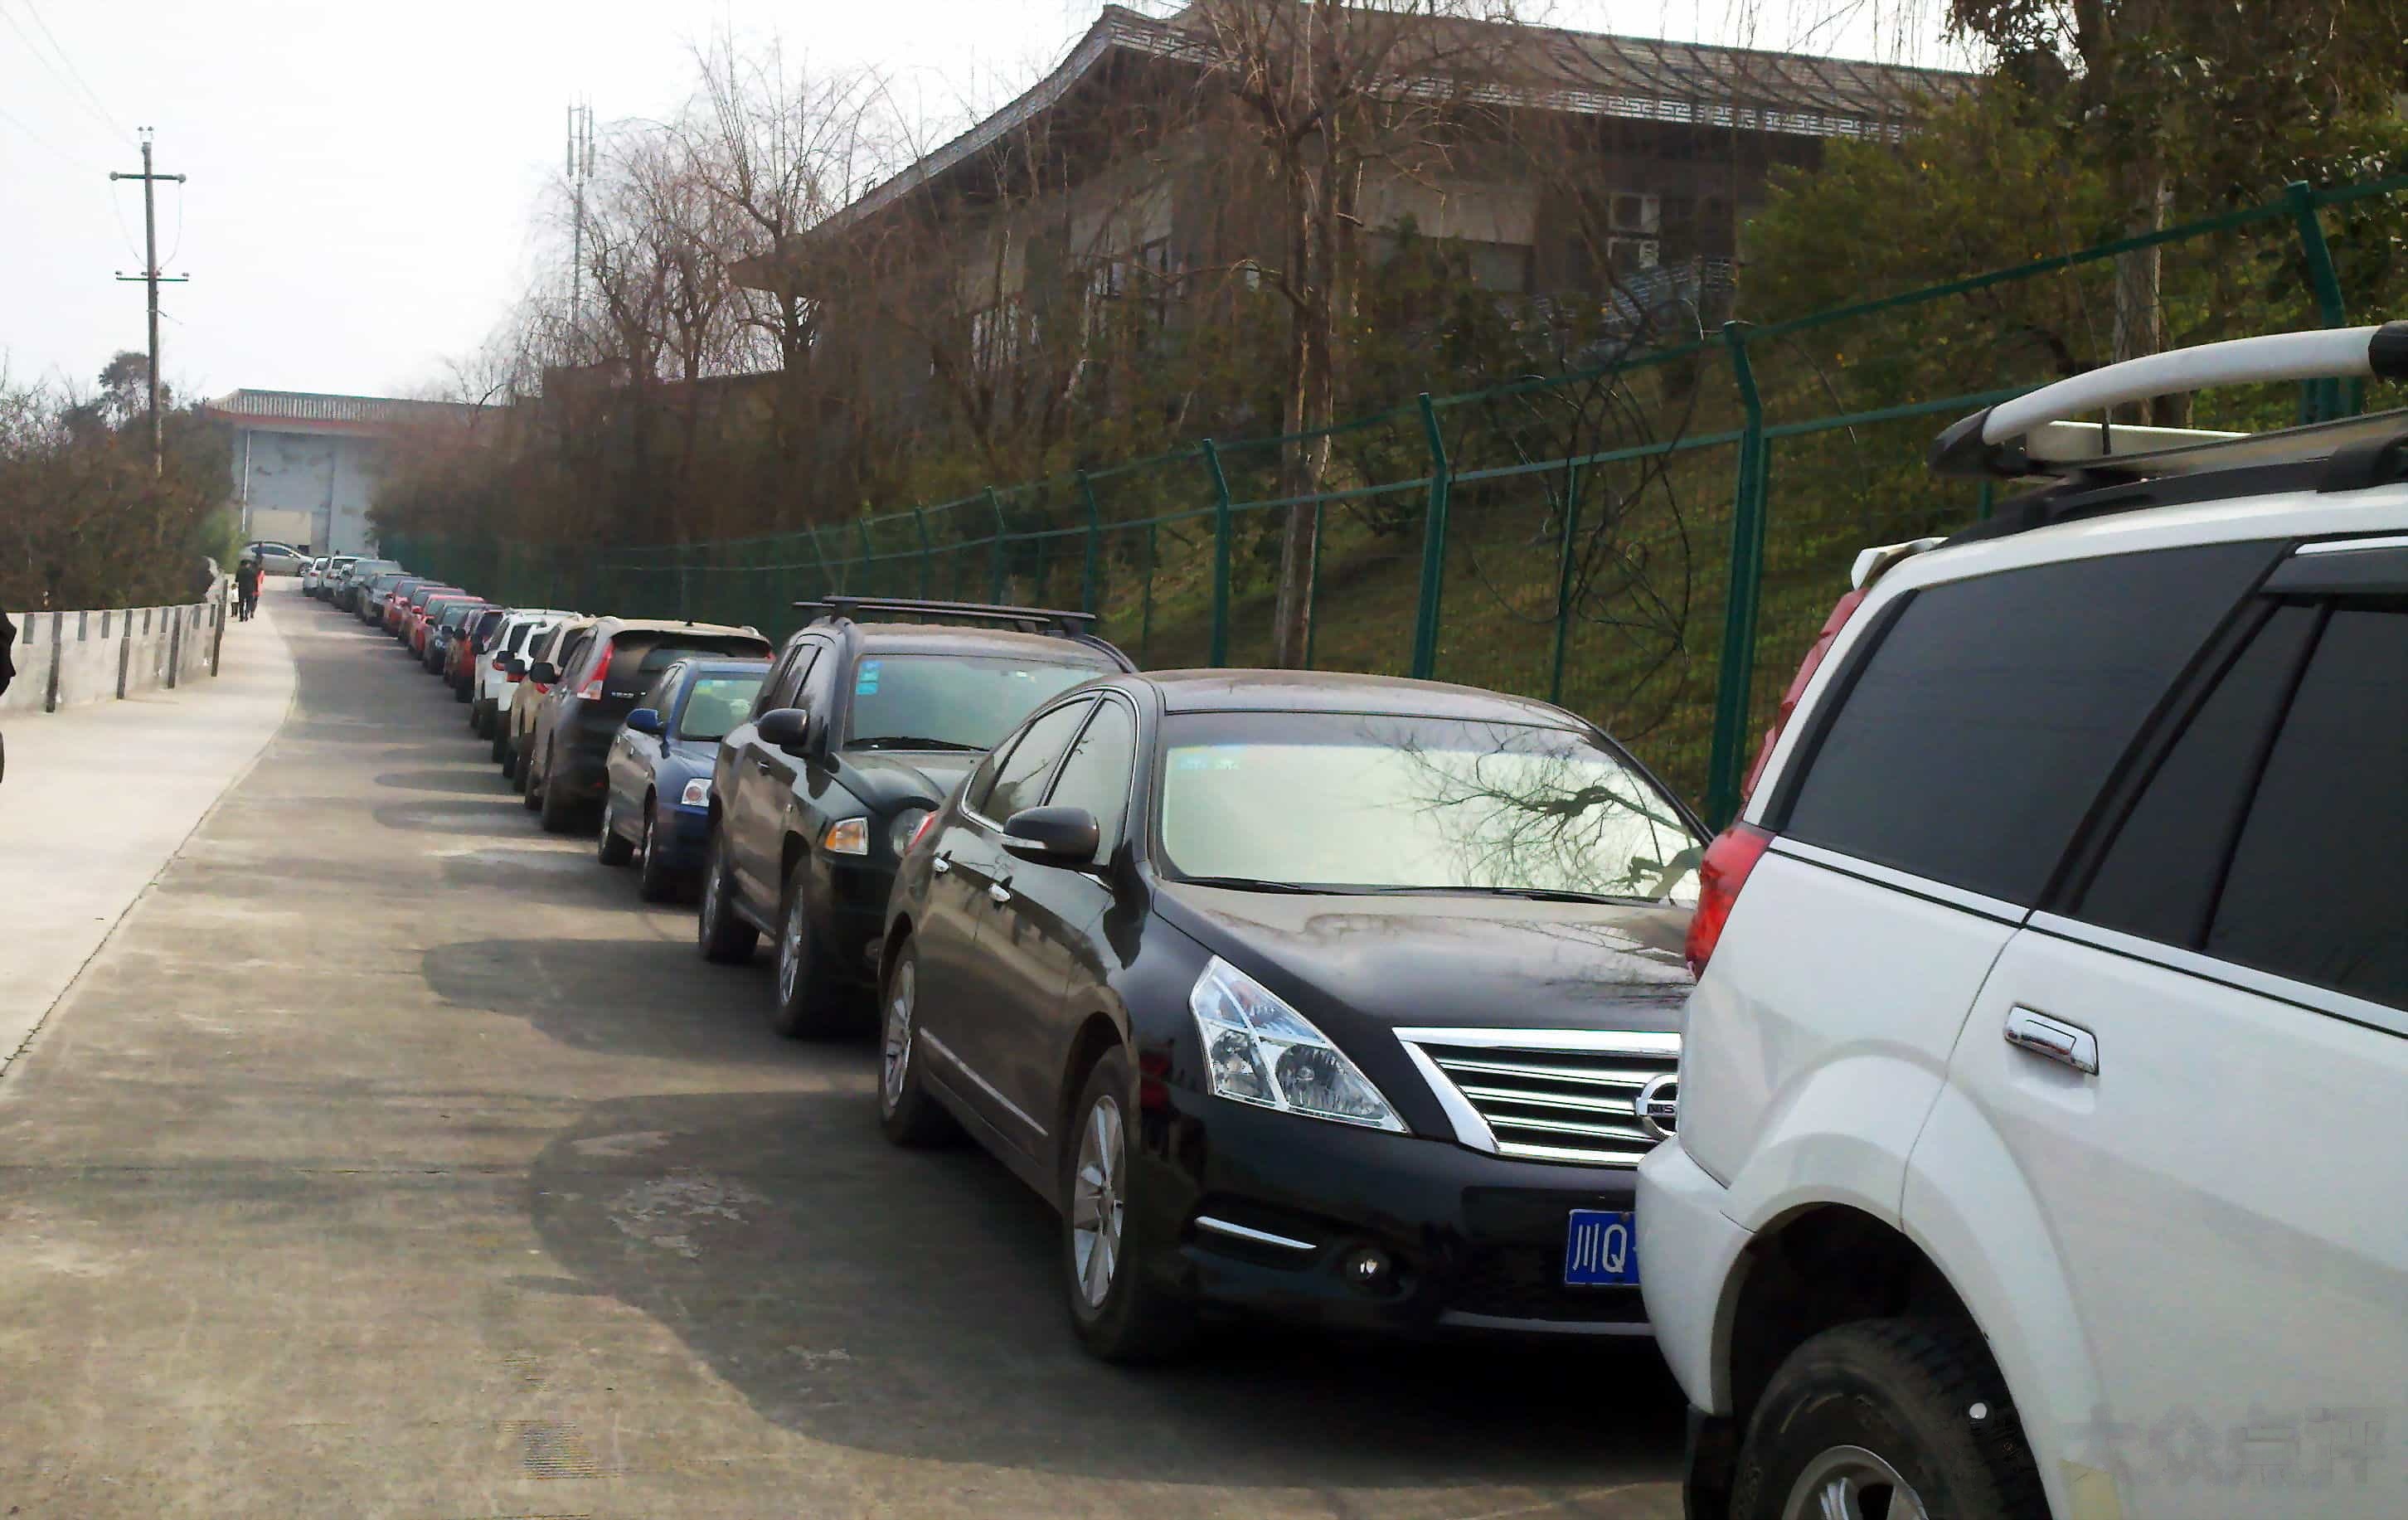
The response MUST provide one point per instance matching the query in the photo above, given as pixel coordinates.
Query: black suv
(858, 735)
(569, 744)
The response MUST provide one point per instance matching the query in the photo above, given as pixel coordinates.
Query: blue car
(656, 795)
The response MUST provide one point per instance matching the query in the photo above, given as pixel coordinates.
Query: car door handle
(2054, 1040)
(941, 864)
(997, 892)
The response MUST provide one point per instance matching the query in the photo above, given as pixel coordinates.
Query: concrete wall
(328, 477)
(65, 659)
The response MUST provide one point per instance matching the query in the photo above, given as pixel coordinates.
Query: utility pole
(153, 278)
(581, 168)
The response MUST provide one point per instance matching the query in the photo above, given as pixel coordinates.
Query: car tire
(501, 743)
(559, 812)
(530, 789)
(510, 759)
(655, 881)
(724, 938)
(1866, 1409)
(802, 1004)
(610, 847)
(1120, 1312)
(909, 1116)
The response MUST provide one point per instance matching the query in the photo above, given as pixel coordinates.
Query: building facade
(305, 464)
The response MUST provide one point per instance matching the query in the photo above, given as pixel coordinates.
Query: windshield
(718, 704)
(950, 701)
(1357, 801)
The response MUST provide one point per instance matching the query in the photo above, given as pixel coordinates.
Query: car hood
(1448, 960)
(889, 781)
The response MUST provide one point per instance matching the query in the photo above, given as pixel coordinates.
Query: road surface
(389, 1158)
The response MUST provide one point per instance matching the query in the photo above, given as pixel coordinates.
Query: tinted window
(637, 655)
(2317, 888)
(1096, 774)
(1984, 723)
(2158, 877)
(951, 701)
(516, 638)
(1020, 780)
(716, 705)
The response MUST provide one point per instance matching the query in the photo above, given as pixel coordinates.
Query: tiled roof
(312, 408)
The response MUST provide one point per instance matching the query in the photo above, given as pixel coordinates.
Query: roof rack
(1029, 619)
(2039, 433)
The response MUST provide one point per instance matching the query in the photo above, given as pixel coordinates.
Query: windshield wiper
(911, 741)
(1249, 883)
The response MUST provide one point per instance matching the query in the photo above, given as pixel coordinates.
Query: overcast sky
(362, 173)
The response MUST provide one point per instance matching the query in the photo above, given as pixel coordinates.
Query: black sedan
(1336, 999)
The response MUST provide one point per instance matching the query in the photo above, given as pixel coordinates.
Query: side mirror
(515, 668)
(785, 728)
(645, 720)
(1054, 836)
(543, 673)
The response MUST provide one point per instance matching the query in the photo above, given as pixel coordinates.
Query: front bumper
(682, 836)
(1473, 1245)
(1694, 1248)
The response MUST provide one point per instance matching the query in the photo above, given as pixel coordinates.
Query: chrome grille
(1549, 1095)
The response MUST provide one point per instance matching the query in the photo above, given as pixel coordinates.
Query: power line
(64, 156)
(72, 72)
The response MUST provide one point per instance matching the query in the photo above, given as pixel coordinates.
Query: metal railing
(1607, 539)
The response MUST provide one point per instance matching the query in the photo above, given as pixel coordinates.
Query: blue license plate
(1602, 1249)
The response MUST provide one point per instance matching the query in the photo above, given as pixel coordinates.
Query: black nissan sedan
(1335, 998)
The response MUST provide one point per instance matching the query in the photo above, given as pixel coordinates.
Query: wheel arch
(1099, 1034)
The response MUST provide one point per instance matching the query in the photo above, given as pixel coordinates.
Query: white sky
(362, 173)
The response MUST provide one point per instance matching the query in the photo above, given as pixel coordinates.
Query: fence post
(1220, 655)
(1738, 668)
(58, 651)
(828, 572)
(1564, 561)
(2319, 400)
(1425, 612)
(1094, 536)
(861, 529)
(1312, 589)
(927, 548)
(1145, 616)
(996, 573)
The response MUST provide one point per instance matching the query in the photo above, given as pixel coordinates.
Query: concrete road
(390, 1159)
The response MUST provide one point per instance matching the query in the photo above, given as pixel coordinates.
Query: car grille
(1567, 1096)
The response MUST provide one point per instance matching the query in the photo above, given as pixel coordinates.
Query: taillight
(593, 682)
(1840, 612)
(1720, 875)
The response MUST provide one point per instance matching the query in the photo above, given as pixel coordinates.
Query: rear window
(1977, 733)
(637, 657)
(516, 638)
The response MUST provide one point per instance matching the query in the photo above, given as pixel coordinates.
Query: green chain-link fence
(1651, 542)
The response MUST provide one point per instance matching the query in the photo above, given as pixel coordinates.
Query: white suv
(2040, 1144)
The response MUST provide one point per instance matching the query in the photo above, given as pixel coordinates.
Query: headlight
(847, 837)
(907, 824)
(1258, 1050)
(696, 793)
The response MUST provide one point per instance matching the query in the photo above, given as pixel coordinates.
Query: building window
(1001, 336)
(1140, 278)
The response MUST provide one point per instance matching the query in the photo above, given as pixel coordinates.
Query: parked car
(396, 595)
(429, 615)
(1338, 1000)
(490, 704)
(2036, 1146)
(329, 574)
(537, 671)
(861, 730)
(309, 574)
(592, 696)
(656, 798)
(355, 577)
(408, 609)
(445, 619)
(460, 655)
(277, 558)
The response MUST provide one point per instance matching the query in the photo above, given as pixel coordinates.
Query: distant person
(7, 669)
(246, 580)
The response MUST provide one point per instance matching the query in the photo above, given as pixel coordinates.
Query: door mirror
(543, 673)
(786, 729)
(515, 668)
(645, 720)
(1054, 836)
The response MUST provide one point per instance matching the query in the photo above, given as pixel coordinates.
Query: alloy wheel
(789, 949)
(1849, 1483)
(899, 1010)
(1096, 1202)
